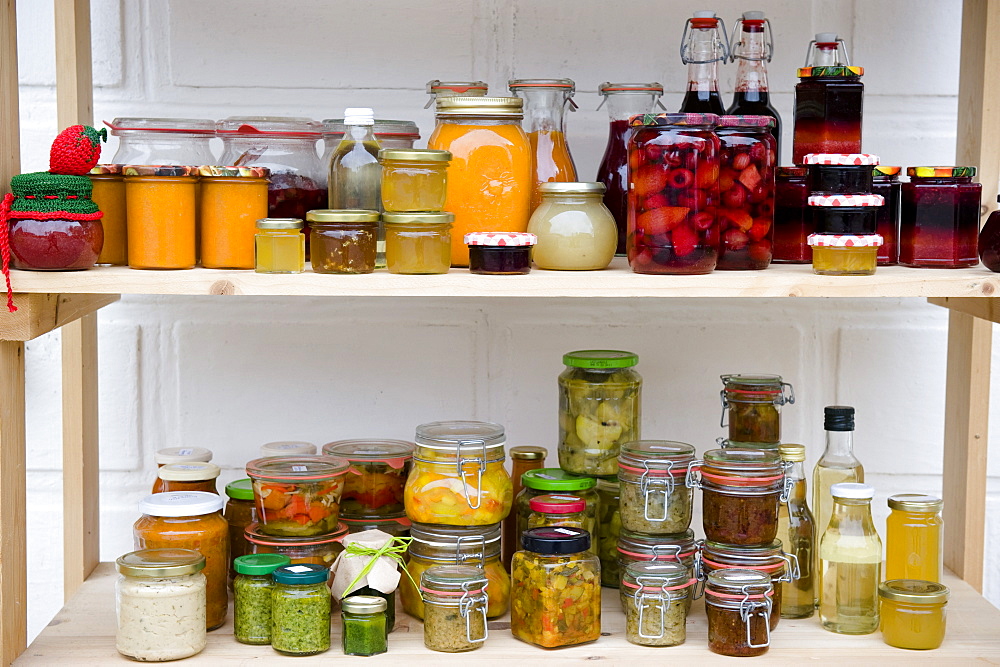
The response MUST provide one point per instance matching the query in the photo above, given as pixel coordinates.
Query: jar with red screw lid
(939, 218)
(556, 509)
(738, 606)
(654, 498)
(752, 404)
(770, 559)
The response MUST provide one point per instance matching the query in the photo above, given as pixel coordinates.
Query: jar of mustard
(575, 230)
(162, 212)
(232, 200)
(109, 195)
(418, 242)
(413, 179)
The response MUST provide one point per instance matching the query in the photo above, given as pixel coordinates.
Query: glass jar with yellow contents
(844, 254)
(418, 243)
(413, 179)
(279, 246)
(161, 211)
(912, 614)
(913, 537)
(343, 241)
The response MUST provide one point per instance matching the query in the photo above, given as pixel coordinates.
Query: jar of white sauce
(575, 230)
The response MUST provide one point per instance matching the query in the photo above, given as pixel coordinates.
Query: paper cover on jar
(348, 568)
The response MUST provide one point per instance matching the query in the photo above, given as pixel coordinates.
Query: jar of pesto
(364, 625)
(252, 590)
(300, 609)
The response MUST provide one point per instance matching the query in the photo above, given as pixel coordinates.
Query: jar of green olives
(753, 404)
(599, 409)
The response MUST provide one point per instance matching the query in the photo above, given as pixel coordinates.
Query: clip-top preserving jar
(655, 597)
(654, 499)
(374, 483)
(639, 547)
(741, 491)
(163, 140)
(298, 495)
(753, 404)
(437, 89)
(939, 219)
(455, 545)
(738, 606)
(770, 559)
(455, 599)
(458, 477)
(600, 396)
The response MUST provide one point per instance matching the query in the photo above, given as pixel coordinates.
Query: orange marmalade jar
(162, 216)
(490, 173)
(109, 195)
(190, 520)
(232, 200)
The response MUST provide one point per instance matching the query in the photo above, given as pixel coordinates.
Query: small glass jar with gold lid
(413, 179)
(418, 243)
(279, 246)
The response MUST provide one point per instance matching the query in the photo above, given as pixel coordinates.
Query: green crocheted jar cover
(41, 191)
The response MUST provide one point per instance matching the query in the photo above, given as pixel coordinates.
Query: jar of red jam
(939, 220)
(770, 559)
(746, 190)
(500, 253)
(673, 193)
(840, 173)
(738, 606)
(886, 184)
(792, 218)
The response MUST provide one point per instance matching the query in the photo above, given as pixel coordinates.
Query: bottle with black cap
(838, 463)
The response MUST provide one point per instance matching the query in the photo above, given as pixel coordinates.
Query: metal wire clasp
(750, 608)
(647, 482)
(721, 43)
(735, 44)
(480, 467)
(477, 540)
(661, 599)
(469, 603)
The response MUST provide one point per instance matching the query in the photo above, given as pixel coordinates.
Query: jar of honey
(912, 613)
(162, 216)
(343, 241)
(232, 200)
(279, 246)
(913, 537)
(413, 179)
(109, 195)
(418, 242)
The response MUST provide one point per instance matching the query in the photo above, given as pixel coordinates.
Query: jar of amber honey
(418, 242)
(413, 179)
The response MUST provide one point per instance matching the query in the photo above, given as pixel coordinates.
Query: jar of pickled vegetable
(279, 246)
(374, 483)
(600, 396)
(418, 243)
(252, 590)
(913, 546)
(770, 559)
(455, 601)
(912, 613)
(545, 481)
(189, 477)
(609, 526)
(318, 549)
(655, 599)
(738, 606)
(413, 179)
(300, 610)
(342, 241)
(287, 448)
(455, 545)
(161, 204)
(654, 498)
(397, 526)
(178, 455)
(939, 219)
(741, 491)
(109, 195)
(240, 512)
(190, 520)
(232, 200)
(753, 404)
(298, 495)
(554, 509)
(458, 477)
(556, 588)
(886, 184)
(792, 219)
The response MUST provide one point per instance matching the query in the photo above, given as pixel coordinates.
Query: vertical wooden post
(979, 96)
(967, 403)
(81, 498)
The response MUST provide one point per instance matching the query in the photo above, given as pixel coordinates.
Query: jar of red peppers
(673, 192)
(886, 184)
(298, 495)
(939, 224)
(753, 406)
(770, 559)
(792, 219)
(746, 190)
(738, 606)
(741, 491)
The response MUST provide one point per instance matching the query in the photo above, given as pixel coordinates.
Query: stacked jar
(373, 488)
(845, 241)
(752, 406)
(456, 495)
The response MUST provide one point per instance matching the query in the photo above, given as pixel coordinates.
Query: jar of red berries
(746, 191)
(673, 193)
(939, 224)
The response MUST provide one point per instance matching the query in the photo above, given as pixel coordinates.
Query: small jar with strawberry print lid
(673, 192)
(746, 191)
(845, 254)
(840, 173)
(939, 222)
(500, 253)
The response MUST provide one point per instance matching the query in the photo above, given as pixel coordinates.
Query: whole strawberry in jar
(673, 193)
(746, 191)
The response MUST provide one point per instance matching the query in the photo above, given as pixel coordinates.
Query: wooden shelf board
(83, 633)
(780, 280)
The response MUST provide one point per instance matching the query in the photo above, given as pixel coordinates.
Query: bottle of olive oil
(355, 172)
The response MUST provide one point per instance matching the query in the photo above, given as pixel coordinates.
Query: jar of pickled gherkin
(374, 483)
(654, 498)
(458, 477)
(770, 559)
(655, 599)
(455, 545)
(455, 600)
(753, 403)
(741, 491)
(738, 606)
(555, 480)
(599, 409)
(609, 526)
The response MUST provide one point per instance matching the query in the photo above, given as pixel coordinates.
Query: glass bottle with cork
(754, 50)
(355, 172)
(797, 532)
(703, 46)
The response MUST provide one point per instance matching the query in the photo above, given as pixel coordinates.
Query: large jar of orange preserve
(489, 177)
(161, 212)
(232, 200)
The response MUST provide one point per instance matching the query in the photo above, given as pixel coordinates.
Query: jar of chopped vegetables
(654, 498)
(555, 480)
(738, 605)
(609, 526)
(654, 597)
(753, 404)
(316, 549)
(458, 476)
(556, 592)
(239, 513)
(252, 597)
(300, 610)
(374, 483)
(456, 545)
(298, 495)
(770, 559)
(454, 607)
(637, 548)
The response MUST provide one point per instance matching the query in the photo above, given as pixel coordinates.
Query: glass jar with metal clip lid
(455, 603)
(738, 605)
(770, 559)
(654, 597)
(653, 498)
(753, 403)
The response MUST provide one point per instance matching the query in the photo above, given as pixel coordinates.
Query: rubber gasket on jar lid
(846, 200)
(843, 159)
(845, 240)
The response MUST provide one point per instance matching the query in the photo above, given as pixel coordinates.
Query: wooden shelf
(83, 634)
(780, 280)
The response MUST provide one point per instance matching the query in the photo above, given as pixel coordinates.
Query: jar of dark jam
(939, 220)
(752, 404)
(840, 173)
(741, 491)
(845, 214)
(500, 253)
(792, 218)
(770, 559)
(738, 607)
(886, 184)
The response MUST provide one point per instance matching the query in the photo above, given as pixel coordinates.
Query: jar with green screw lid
(455, 605)
(364, 630)
(252, 590)
(599, 409)
(300, 609)
(279, 246)
(544, 481)
(240, 512)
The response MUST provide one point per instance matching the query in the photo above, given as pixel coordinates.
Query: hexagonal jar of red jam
(673, 194)
(792, 218)
(746, 191)
(939, 218)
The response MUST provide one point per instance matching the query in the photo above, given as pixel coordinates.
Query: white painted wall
(230, 374)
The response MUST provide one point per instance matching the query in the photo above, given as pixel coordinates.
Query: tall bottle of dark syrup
(752, 46)
(703, 47)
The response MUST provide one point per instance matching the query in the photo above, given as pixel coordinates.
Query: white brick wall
(230, 374)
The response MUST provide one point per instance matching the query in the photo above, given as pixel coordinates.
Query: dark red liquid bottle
(703, 46)
(989, 242)
(753, 50)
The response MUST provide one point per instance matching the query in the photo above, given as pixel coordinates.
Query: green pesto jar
(300, 609)
(252, 590)
(364, 625)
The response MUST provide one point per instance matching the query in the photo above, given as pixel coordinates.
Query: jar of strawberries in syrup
(746, 191)
(939, 223)
(673, 191)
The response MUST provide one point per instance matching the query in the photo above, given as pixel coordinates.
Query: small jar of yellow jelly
(844, 254)
(912, 613)
(418, 242)
(913, 537)
(413, 179)
(279, 246)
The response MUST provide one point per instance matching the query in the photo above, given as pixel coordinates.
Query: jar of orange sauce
(490, 173)
(162, 215)
(109, 195)
(232, 200)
